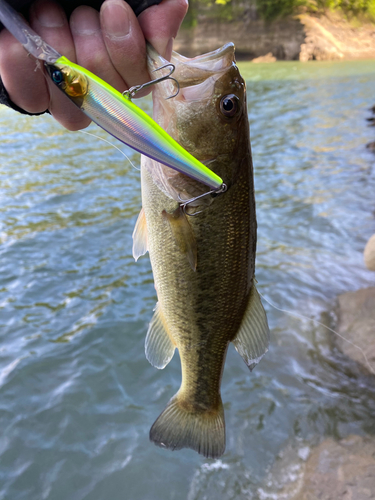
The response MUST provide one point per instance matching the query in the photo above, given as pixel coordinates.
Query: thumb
(160, 24)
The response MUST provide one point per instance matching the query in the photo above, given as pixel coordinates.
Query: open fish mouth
(196, 76)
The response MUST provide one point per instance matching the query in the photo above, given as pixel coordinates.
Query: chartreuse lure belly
(107, 107)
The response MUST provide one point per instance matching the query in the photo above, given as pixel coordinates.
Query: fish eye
(57, 76)
(229, 105)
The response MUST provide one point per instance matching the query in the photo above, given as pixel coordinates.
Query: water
(77, 396)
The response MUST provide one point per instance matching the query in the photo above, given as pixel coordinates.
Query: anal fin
(140, 242)
(253, 337)
(159, 346)
(183, 235)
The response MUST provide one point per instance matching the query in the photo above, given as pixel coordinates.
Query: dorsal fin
(140, 241)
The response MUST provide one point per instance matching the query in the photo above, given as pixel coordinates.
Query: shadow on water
(77, 396)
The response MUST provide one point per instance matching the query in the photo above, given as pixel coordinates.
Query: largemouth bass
(202, 253)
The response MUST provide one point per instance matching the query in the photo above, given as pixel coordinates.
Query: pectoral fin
(183, 235)
(159, 346)
(253, 337)
(140, 243)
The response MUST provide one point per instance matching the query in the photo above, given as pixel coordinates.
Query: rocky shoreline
(343, 468)
(331, 470)
(355, 312)
(326, 468)
(304, 37)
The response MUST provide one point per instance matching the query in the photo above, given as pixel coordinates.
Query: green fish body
(203, 257)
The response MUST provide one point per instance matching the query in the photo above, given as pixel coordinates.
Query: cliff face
(333, 37)
(302, 38)
(252, 38)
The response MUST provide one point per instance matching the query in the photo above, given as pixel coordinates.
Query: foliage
(220, 10)
(229, 10)
(350, 6)
(270, 9)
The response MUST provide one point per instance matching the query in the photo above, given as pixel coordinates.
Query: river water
(77, 396)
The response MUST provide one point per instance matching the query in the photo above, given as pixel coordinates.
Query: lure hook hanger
(137, 88)
(185, 203)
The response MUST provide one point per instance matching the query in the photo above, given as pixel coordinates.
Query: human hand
(111, 44)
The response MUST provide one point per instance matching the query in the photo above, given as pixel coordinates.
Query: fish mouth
(216, 60)
(196, 76)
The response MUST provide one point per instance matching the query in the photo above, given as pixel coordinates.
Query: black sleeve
(69, 5)
(138, 6)
(5, 99)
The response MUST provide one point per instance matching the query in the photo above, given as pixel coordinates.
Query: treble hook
(185, 203)
(134, 90)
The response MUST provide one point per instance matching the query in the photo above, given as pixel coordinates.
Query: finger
(125, 42)
(48, 19)
(160, 24)
(26, 87)
(91, 50)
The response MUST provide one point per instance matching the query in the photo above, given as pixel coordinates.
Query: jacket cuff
(5, 99)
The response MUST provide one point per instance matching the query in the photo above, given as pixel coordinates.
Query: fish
(108, 108)
(202, 248)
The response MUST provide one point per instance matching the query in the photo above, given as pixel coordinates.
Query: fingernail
(164, 47)
(85, 22)
(49, 17)
(115, 19)
(168, 49)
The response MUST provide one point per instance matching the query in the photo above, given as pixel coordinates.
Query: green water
(77, 396)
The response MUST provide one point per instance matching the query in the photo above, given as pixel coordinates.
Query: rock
(252, 37)
(371, 146)
(342, 470)
(265, 59)
(369, 253)
(333, 470)
(332, 36)
(305, 37)
(356, 322)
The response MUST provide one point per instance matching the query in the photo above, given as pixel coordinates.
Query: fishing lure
(108, 108)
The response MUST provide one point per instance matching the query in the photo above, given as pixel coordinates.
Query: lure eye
(57, 76)
(229, 105)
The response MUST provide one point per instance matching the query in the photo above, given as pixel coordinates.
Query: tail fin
(203, 431)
